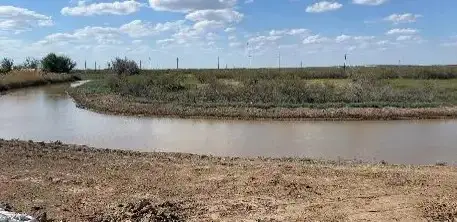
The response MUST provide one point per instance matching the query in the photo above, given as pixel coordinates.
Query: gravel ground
(79, 183)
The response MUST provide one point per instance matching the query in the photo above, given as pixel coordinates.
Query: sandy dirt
(78, 183)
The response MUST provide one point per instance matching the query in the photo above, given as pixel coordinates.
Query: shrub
(57, 64)
(125, 66)
(6, 65)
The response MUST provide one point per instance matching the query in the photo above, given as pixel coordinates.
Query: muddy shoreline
(80, 183)
(118, 105)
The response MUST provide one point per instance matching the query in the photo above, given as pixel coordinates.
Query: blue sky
(243, 33)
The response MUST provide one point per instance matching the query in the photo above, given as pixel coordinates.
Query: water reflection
(47, 113)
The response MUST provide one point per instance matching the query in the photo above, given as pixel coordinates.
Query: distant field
(409, 72)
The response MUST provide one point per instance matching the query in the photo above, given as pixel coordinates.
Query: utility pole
(345, 61)
(279, 61)
(301, 64)
(140, 64)
(218, 62)
(177, 63)
(95, 66)
(85, 65)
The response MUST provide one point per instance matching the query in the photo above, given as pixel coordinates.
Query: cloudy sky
(242, 32)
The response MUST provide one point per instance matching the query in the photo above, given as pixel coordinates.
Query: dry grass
(26, 78)
(78, 183)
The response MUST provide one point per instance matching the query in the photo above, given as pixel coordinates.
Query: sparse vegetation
(31, 63)
(57, 64)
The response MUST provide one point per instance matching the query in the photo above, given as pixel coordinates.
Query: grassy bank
(78, 183)
(21, 79)
(269, 95)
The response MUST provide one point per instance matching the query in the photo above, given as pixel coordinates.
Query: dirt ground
(78, 183)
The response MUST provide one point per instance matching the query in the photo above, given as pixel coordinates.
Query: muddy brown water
(48, 114)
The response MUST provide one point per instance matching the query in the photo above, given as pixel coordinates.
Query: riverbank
(268, 96)
(22, 79)
(130, 106)
(79, 183)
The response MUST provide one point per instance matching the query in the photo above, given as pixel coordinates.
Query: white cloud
(369, 2)
(323, 6)
(297, 31)
(383, 42)
(100, 35)
(402, 31)
(235, 44)
(404, 37)
(204, 26)
(410, 39)
(190, 5)
(20, 19)
(138, 28)
(363, 38)
(343, 38)
(263, 38)
(231, 38)
(293, 32)
(137, 41)
(112, 35)
(165, 42)
(114, 8)
(230, 29)
(223, 15)
(449, 44)
(314, 39)
(402, 18)
(248, 1)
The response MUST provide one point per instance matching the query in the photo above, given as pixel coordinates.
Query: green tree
(57, 64)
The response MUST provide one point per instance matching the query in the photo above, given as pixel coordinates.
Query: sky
(242, 33)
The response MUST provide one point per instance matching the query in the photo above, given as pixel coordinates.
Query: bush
(125, 66)
(57, 64)
(6, 65)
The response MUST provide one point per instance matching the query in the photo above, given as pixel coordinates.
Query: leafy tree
(57, 64)
(6, 65)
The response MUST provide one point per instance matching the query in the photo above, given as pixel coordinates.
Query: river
(48, 114)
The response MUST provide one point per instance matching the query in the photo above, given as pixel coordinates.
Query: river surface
(48, 114)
